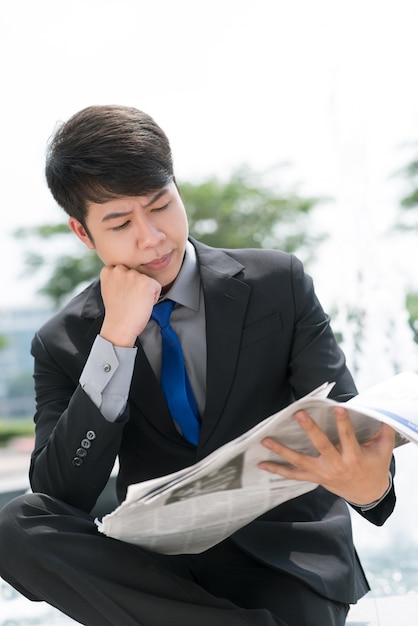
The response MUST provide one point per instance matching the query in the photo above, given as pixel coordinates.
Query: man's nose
(148, 235)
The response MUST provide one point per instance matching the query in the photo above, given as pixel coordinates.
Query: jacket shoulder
(264, 257)
(84, 306)
(249, 260)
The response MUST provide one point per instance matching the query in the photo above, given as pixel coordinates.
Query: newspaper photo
(195, 508)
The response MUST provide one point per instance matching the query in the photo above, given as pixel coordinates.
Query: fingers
(388, 436)
(297, 465)
(128, 298)
(318, 438)
(348, 442)
(385, 436)
(354, 471)
(297, 459)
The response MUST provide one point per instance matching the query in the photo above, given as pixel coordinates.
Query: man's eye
(160, 208)
(122, 226)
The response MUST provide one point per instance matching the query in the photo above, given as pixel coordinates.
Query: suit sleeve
(75, 446)
(317, 358)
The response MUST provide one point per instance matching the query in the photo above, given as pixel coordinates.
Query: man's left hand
(356, 472)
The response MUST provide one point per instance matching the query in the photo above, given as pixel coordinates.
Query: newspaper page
(195, 508)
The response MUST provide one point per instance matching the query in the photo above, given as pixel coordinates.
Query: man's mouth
(158, 263)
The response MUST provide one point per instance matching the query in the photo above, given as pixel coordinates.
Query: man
(254, 338)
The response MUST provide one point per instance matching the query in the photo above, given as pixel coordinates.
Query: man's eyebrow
(115, 214)
(156, 196)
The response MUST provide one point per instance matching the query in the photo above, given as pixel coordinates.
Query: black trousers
(53, 552)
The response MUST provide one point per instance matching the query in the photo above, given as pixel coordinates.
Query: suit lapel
(226, 300)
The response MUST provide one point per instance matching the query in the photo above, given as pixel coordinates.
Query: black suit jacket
(268, 343)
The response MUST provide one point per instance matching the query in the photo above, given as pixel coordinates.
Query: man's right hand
(128, 298)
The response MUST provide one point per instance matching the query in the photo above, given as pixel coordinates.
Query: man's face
(147, 233)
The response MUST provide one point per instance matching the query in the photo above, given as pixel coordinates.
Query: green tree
(410, 174)
(409, 221)
(245, 212)
(408, 218)
(412, 308)
(242, 211)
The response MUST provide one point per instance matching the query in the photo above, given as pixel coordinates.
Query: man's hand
(356, 472)
(128, 298)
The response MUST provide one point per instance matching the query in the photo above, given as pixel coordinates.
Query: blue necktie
(174, 380)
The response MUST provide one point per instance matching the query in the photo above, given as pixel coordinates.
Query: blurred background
(293, 124)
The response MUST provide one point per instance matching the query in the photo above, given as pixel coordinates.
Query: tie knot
(161, 312)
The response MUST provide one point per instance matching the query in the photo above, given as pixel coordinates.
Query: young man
(254, 338)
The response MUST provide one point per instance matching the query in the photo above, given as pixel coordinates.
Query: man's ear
(80, 231)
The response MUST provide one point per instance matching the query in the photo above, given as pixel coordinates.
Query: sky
(328, 87)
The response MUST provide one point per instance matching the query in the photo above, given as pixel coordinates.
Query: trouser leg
(53, 552)
(251, 584)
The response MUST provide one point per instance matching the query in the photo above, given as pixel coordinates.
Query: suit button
(77, 462)
(90, 434)
(81, 452)
(107, 367)
(85, 443)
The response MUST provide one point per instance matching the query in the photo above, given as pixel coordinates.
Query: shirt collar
(186, 288)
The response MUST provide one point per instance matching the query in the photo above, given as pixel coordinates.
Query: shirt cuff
(107, 375)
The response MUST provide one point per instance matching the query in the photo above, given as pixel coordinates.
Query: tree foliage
(412, 308)
(243, 212)
(410, 172)
(240, 212)
(408, 202)
(409, 219)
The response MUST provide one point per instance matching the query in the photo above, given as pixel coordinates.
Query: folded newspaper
(195, 508)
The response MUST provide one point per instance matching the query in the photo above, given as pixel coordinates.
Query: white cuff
(107, 375)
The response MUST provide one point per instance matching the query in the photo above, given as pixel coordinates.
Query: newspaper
(195, 508)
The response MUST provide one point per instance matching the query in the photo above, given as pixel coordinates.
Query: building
(17, 327)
